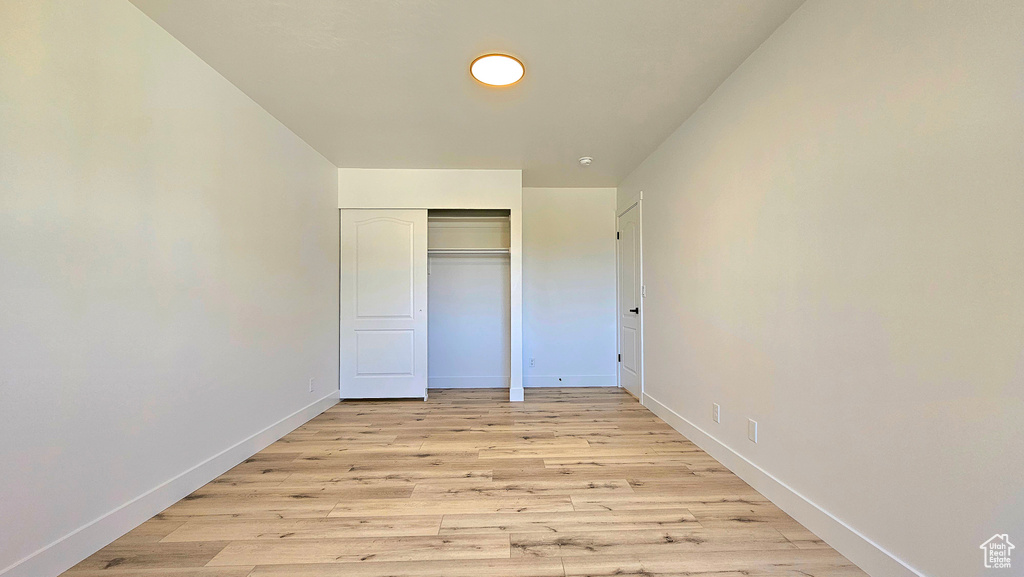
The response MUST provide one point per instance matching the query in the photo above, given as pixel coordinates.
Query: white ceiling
(385, 83)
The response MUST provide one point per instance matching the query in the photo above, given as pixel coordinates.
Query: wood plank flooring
(572, 482)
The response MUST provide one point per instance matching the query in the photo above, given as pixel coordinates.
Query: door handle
(636, 310)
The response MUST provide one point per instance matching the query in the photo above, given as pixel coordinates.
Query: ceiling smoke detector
(586, 161)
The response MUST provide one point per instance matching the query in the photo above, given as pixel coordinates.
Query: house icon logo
(997, 551)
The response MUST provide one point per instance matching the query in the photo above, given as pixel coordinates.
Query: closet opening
(469, 295)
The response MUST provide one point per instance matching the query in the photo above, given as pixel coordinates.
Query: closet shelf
(468, 251)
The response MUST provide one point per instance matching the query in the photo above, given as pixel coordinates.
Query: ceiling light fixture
(497, 69)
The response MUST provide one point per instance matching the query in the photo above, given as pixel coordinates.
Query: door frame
(638, 202)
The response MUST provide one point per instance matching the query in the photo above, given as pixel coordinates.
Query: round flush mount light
(586, 161)
(497, 69)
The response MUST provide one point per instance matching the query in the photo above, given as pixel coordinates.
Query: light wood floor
(570, 482)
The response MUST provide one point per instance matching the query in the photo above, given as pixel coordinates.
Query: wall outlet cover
(716, 413)
(752, 430)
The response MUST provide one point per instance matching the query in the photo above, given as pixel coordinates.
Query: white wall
(833, 246)
(569, 286)
(168, 277)
(469, 322)
(452, 189)
(430, 188)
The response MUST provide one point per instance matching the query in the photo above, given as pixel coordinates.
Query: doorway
(469, 327)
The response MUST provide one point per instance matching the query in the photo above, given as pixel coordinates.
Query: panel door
(629, 301)
(383, 304)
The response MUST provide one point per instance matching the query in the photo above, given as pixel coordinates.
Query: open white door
(629, 292)
(383, 304)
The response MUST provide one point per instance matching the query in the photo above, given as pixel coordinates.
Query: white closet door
(630, 347)
(383, 304)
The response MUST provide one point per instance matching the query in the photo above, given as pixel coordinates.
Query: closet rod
(467, 251)
(503, 219)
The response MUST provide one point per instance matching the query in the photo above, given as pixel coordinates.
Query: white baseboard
(570, 381)
(467, 382)
(855, 546)
(62, 554)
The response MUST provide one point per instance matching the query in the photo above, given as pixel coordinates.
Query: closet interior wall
(469, 310)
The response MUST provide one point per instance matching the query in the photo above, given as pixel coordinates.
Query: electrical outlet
(752, 430)
(643, 291)
(311, 385)
(716, 413)
(533, 362)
